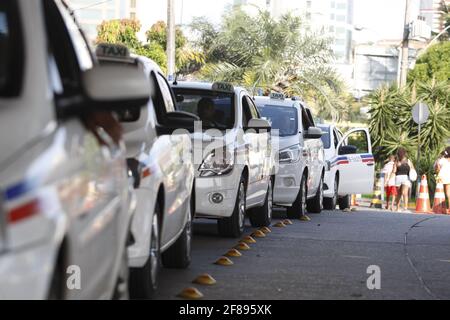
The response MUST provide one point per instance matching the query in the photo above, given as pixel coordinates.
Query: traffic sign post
(420, 114)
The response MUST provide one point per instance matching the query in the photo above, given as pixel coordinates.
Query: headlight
(290, 155)
(217, 163)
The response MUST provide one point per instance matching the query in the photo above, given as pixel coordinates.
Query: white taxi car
(301, 170)
(232, 154)
(162, 166)
(65, 216)
(351, 165)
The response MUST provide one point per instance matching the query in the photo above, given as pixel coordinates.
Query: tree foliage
(433, 64)
(281, 55)
(392, 126)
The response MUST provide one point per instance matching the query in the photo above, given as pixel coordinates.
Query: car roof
(277, 102)
(200, 86)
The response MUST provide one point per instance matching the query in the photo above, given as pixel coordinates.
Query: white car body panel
(61, 184)
(355, 172)
(164, 167)
(256, 161)
(312, 160)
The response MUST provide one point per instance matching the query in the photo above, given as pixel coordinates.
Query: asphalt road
(326, 258)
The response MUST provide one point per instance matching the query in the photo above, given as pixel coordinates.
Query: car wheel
(262, 217)
(315, 205)
(121, 289)
(298, 208)
(345, 202)
(144, 281)
(233, 226)
(331, 203)
(178, 256)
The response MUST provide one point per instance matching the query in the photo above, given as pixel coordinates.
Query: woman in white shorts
(443, 169)
(401, 169)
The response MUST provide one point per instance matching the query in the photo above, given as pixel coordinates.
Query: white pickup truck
(350, 165)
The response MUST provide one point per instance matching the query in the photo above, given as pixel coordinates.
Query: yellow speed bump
(265, 230)
(190, 293)
(242, 246)
(305, 218)
(279, 225)
(258, 234)
(248, 240)
(233, 253)
(205, 279)
(288, 222)
(224, 261)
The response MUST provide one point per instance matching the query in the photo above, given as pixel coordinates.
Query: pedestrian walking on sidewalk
(389, 183)
(402, 169)
(443, 172)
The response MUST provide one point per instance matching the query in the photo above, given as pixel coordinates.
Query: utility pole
(170, 40)
(405, 47)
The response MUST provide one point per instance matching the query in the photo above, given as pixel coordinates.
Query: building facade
(432, 12)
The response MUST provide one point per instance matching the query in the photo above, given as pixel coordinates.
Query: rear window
(283, 119)
(10, 50)
(215, 109)
(326, 138)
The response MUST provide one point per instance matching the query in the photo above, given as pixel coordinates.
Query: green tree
(433, 64)
(280, 55)
(119, 31)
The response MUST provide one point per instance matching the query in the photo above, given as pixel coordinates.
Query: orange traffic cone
(423, 202)
(354, 202)
(439, 206)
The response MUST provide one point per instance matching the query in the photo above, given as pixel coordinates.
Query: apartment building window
(133, 15)
(133, 4)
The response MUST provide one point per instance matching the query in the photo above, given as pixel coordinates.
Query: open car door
(356, 164)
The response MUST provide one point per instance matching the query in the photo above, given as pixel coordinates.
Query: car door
(308, 150)
(356, 167)
(251, 138)
(173, 166)
(95, 164)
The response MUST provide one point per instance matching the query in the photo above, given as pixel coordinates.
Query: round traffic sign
(421, 113)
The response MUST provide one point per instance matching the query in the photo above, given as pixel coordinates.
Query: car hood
(204, 143)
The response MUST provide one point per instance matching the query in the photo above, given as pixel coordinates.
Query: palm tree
(276, 55)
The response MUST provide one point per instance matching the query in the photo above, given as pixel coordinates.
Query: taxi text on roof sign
(116, 51)
(223, 86)
(277, 96)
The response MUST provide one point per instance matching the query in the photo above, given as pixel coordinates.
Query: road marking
(357, 257)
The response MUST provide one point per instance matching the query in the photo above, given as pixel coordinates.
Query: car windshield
(326, 139)
(215, 109)
(283, 119)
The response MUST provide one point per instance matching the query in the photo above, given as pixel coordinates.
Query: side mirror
(314, 133)
(344, 150)
(259, 125)
(115, 87)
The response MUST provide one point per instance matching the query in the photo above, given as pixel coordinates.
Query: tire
(262, 217)
(121, 290)
(331, 203)
(315, 205)
(298, 208)
(144, 281)
(233, 227)
(344, 202)
(178, 256)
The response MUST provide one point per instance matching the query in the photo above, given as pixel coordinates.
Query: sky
(381, 19)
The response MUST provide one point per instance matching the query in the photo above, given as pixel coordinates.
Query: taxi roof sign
(114, 52)
(277, 96)
(223, 87)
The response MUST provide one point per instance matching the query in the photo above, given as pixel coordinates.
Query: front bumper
(287, 184)
(227, 186)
